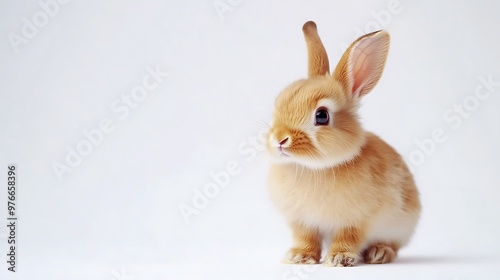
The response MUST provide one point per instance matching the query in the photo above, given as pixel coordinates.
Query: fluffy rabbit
(333, 181)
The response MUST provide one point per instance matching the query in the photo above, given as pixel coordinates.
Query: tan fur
(337, 182)
(318, 59)
(307, 247)
(379, 253)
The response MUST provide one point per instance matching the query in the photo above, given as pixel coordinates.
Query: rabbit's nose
(283, 142)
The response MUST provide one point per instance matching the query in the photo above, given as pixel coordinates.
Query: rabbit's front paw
(340, 259)
(302, 256)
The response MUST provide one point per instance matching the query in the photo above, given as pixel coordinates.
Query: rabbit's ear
(363, 62)
(317, 59)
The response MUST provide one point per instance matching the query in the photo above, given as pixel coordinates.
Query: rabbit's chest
(318, 201)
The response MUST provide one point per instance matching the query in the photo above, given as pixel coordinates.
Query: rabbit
(335, 183)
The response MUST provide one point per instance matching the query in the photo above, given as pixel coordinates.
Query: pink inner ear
(367, 62)
(360, 67)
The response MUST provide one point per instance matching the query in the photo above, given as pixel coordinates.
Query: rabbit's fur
(332, 180)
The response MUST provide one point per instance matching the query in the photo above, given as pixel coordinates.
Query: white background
(116, 215)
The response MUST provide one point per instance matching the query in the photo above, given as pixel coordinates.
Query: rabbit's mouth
(283, 152)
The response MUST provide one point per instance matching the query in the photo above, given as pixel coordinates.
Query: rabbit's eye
(322, 117)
